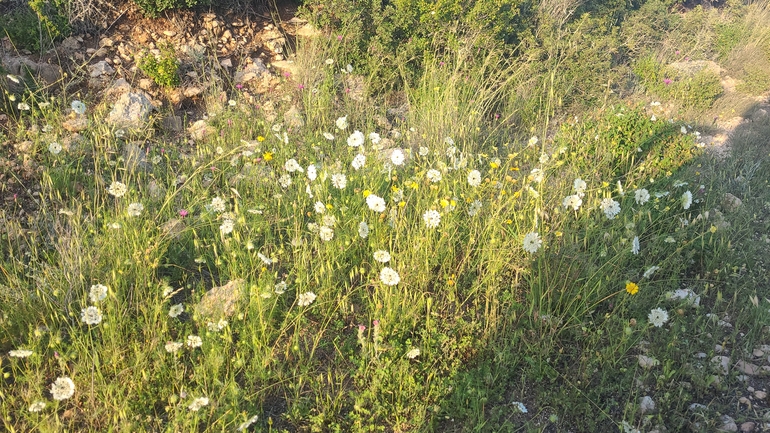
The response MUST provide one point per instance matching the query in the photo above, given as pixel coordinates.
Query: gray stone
(221, 302)
(132, 110)
(646, 405)
(728, 424)
(722, 363)
(254, 70)
(100, 68)
(173, 124)
(293, 118)
(200, 130)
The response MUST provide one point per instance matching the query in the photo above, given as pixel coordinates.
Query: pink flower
(667, 81)
(183, 212)
(361, 328)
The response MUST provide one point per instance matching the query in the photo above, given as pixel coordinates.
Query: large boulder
(132, 110)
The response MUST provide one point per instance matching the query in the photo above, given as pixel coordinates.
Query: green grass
(483, 330)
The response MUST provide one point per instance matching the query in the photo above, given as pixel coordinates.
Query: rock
(748, 426)
(132, 110)
(690, 68)
(307, 31)
(145, 84)
(76, 124)
(192, 91)
(100, 68)
(728, 424)
(747, 368)
(200, 129)
(746, 401)
(731, 202)
(722, 363)
(758, 353)
(285, 66)
(253, 71)
(173, 228)
(169, 33)
(176, 97)
(226, 63)
(646, 405)
(173, 124)
(761, 395)
(69, 44)
(135, 156)
(221, 302)
(647, 361)
(293, 118)
(49, 73)
(106, 42)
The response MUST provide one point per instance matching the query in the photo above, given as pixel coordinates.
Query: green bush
(35, 25)
(154, 7)
(164, 70)
(699, 90)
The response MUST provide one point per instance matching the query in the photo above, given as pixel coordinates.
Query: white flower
(669, 240)
(91, 315)
(63, 388)
(339, 180)
(359, 161)
(284, 181)
(536, 175)
(329, 61)
(382, 256)
(423, 151)
(579, 185)
(544, 158)
(628, 428)
(279, 287)
(175, 310)
(533, 141)
(246, 424)
(194, 341)
(173, 346)
(414, 353)
(218, 204)
(433, 175)
(117, 189)
(658, 317)
(311, 172)
(641, 196)
(37, 406)
(78, 107)
(649, 272)
(532, 242)
(54, 148)
(449, 141)
(97, 293)
(326, 233)
(19, 353)
(23, 106)
(227, 226)
(432, 218)
(198, 403)
(328, 136)
(342, 123)
(292, 165)
(329, 220)
(520, 406)
(356, 139)
(306, 299)
(397, 157)
(610, 207)
(686, 200)
(635, 245)
(319, 207)
(375, 138)
(389, 277)
(349, 68)
(572, 201)
(474, 178)
(375, 203)
(13, 78)
(363, 229)
(475, 208)
(683, 130)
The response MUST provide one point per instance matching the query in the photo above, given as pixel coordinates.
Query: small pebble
(747, 426)
(758, 353)
(760, 394)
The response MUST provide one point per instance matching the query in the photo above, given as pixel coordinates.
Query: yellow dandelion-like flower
(260, 138)
(713, 229)
(632, 288)
(366, 193)
(444, 202)
(267, 156)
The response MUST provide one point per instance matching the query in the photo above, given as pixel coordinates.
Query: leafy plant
(164, 69)
(154, 7)
(35, 25)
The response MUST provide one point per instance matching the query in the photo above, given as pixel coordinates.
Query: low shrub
(154, 7)
(164, 69)
(36, 26)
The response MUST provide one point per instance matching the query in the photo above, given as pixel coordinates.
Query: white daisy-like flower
(533, 140)
(326, 233)
(91, 315)
(23, 106)
(641, 196)
(319, 207)
(610, 207)
(54, 148)
(359, 161)
(544, 157)
(474, 178)
(63, 388)
(382, 256)
(356, 139)
(635, 245)
(579, 185)
(658, 317)
(650, 271)
(312, 173)
(339, 180)
(572, 201)
(292, 165)
(175, 310)
(265, 259)
(536, 175)
(218, 204)
(279, 287)
(328, 136)
(389, 276)
(198, 403)
(342, 123)
(194, 341)
(686, 200)
(433, 175)
(329, 220)
(37, 406)
(532, 242)
(284, 181)
(19, 353)
(117, 189)
(246, 424)
(374, 138)
(78, 107)
(97, 293)
(375, 203)
(474, 208)
(313, 227)
(432, 218)
(306, 299)
(363, 229)
(414, 353)
(173, 346)
(423, 151)
(227, 226)
(397, 157)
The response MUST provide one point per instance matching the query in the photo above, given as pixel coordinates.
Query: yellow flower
(260, 138)
(267, 156)
(329, 206)
(414, 185)
(366, 193)
(632, 288)
(444, 202)
(494, 164)
(453, 203)
(713, 229)
(401, 204)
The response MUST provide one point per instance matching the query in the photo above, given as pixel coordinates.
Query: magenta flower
(667, 81)
(183, 212)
